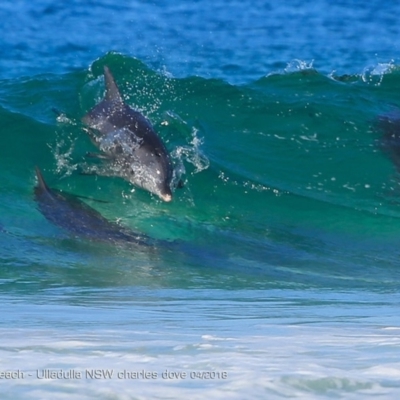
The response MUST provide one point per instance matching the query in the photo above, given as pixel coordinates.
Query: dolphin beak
(166, 197)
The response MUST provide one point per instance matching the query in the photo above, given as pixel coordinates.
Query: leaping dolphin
(130, 144)
(69, 213)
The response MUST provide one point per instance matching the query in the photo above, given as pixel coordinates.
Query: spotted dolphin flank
(128, 142)
(73, 215)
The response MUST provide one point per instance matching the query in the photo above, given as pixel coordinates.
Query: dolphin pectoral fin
(99, 170)
(112, 91)
(99, 156)
(88, 173)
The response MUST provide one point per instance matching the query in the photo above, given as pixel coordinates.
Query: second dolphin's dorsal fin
(112, 91)
(41, 182)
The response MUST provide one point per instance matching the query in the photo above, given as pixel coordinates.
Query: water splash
(192, 153)
(298, 65)
(64, 147)
(374, 74)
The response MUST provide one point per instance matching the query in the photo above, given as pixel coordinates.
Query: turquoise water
(276, 271)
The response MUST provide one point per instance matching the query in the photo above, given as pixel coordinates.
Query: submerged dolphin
(389, 124)
(129, 142)
(68, 212)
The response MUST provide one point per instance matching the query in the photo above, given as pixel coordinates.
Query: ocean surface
(277, 266)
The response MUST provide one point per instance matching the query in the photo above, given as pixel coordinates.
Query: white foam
(251, 348)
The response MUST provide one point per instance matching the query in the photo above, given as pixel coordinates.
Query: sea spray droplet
(62, 151)
(192, 153)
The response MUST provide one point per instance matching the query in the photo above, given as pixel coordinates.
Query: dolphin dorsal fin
(112, 91)
(42, 184)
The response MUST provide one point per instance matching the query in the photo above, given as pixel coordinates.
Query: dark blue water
(237, 41)
(275, 268)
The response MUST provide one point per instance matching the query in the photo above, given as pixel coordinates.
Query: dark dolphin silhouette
(389, 125)
(129, 143)
(70, 213)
